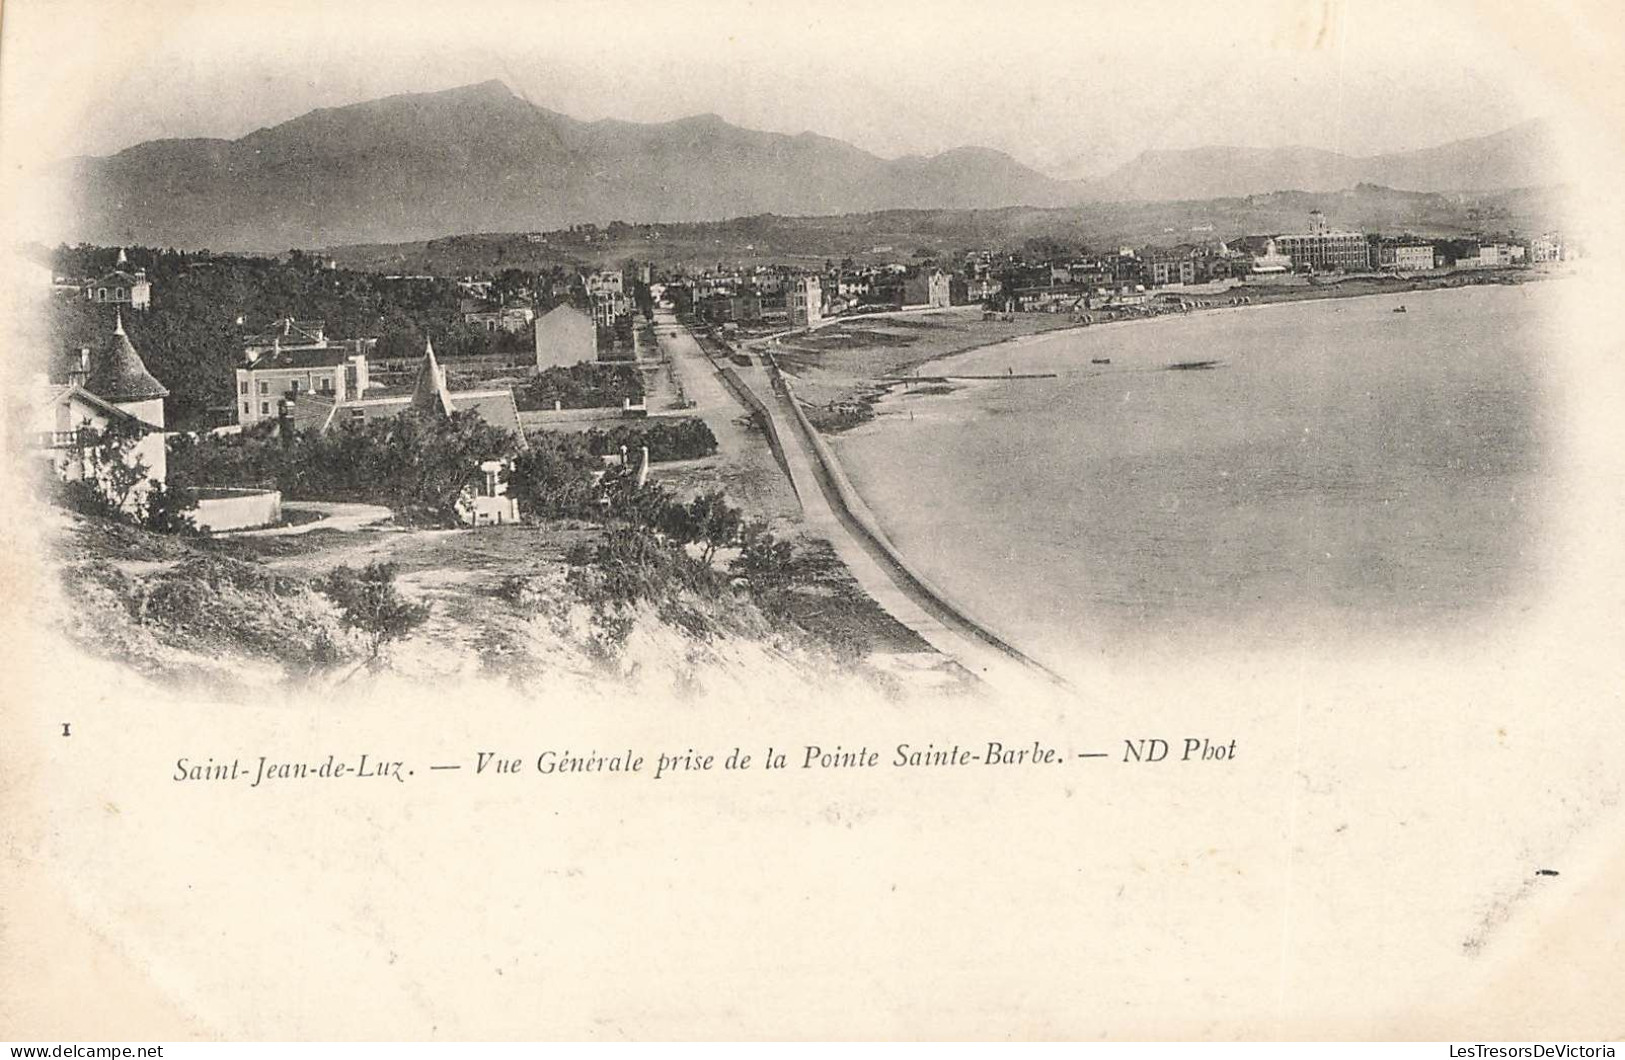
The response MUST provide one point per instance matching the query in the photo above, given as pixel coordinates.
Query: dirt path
(743, 465)
(342, 516)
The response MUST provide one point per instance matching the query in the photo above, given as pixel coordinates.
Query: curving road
(880, 572)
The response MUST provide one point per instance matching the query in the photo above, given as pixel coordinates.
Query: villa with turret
(123, 286)
(103, 387)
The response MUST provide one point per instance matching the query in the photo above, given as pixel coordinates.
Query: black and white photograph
(721, 520)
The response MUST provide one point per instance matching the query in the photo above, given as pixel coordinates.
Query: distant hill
(480, 158)
(1514, 158)
(903, 235)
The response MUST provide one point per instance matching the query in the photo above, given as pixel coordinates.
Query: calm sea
(1345, 470)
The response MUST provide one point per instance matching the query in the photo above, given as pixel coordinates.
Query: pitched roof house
(565, 336)
(104, 387)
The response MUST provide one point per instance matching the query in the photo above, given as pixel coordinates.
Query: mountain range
(1519, 157)
(481, 159)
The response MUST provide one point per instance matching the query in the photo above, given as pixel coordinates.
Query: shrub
(766, 563)
(680, 439)
(369, 603)
(707, 520)
(164, 509)
(588, 385)
(412, 463)
(632, 565)
(553, 478)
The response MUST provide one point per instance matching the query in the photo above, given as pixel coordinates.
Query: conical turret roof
(430, 394)
(117, 372)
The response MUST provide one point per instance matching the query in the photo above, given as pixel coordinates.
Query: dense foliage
(668, 439)
(412, 463)
(639, 564)
(203, 306)
(587, 385)
(116, 484)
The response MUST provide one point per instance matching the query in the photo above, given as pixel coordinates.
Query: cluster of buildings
(604, 297)
(1322, 248)
(780, 295)
(295, 359)
(797, 298)
(610, 305)
(1125, 276)
(291, 372)
(294, 369)
(309, 384)
(325, 381)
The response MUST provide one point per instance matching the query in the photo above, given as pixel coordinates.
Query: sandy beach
(842, 369)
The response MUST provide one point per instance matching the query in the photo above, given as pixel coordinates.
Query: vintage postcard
(929, 520)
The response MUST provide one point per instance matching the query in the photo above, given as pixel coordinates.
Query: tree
(426, 461)
(553, 477)
(164, 510)
(369, 603)
(707, 520)
(624, 499)
(764, 561)
(112, 472)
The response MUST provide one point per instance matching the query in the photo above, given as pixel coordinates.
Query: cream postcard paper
(705, 520)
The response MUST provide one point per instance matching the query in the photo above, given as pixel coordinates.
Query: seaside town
(544, 521)
(1124, 279)
(622, 435)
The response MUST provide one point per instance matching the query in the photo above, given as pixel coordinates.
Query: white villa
(103, 388)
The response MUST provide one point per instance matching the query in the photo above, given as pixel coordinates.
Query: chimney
(79, 375)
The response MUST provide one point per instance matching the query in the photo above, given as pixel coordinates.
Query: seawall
(747, 397)
(855, 516)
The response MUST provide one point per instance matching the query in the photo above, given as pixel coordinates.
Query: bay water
(1343, 471)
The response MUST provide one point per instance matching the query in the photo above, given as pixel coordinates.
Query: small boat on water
(1189, 366)
(1100, 360)
(1399, 309)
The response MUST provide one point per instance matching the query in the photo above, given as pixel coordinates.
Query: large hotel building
(1321, 248)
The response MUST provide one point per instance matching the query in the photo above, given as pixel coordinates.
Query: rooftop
(300, 358)
(123, 276)
(290, 331)
(117, 372)
(56, 393)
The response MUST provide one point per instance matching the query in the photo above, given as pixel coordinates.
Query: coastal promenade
(878, 568)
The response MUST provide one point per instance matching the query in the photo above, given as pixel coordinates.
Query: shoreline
(832, 509)
(869, 391)
(869, 521)
(885, 574)
(859, 520)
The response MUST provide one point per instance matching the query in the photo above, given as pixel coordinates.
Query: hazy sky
(1072, 88)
